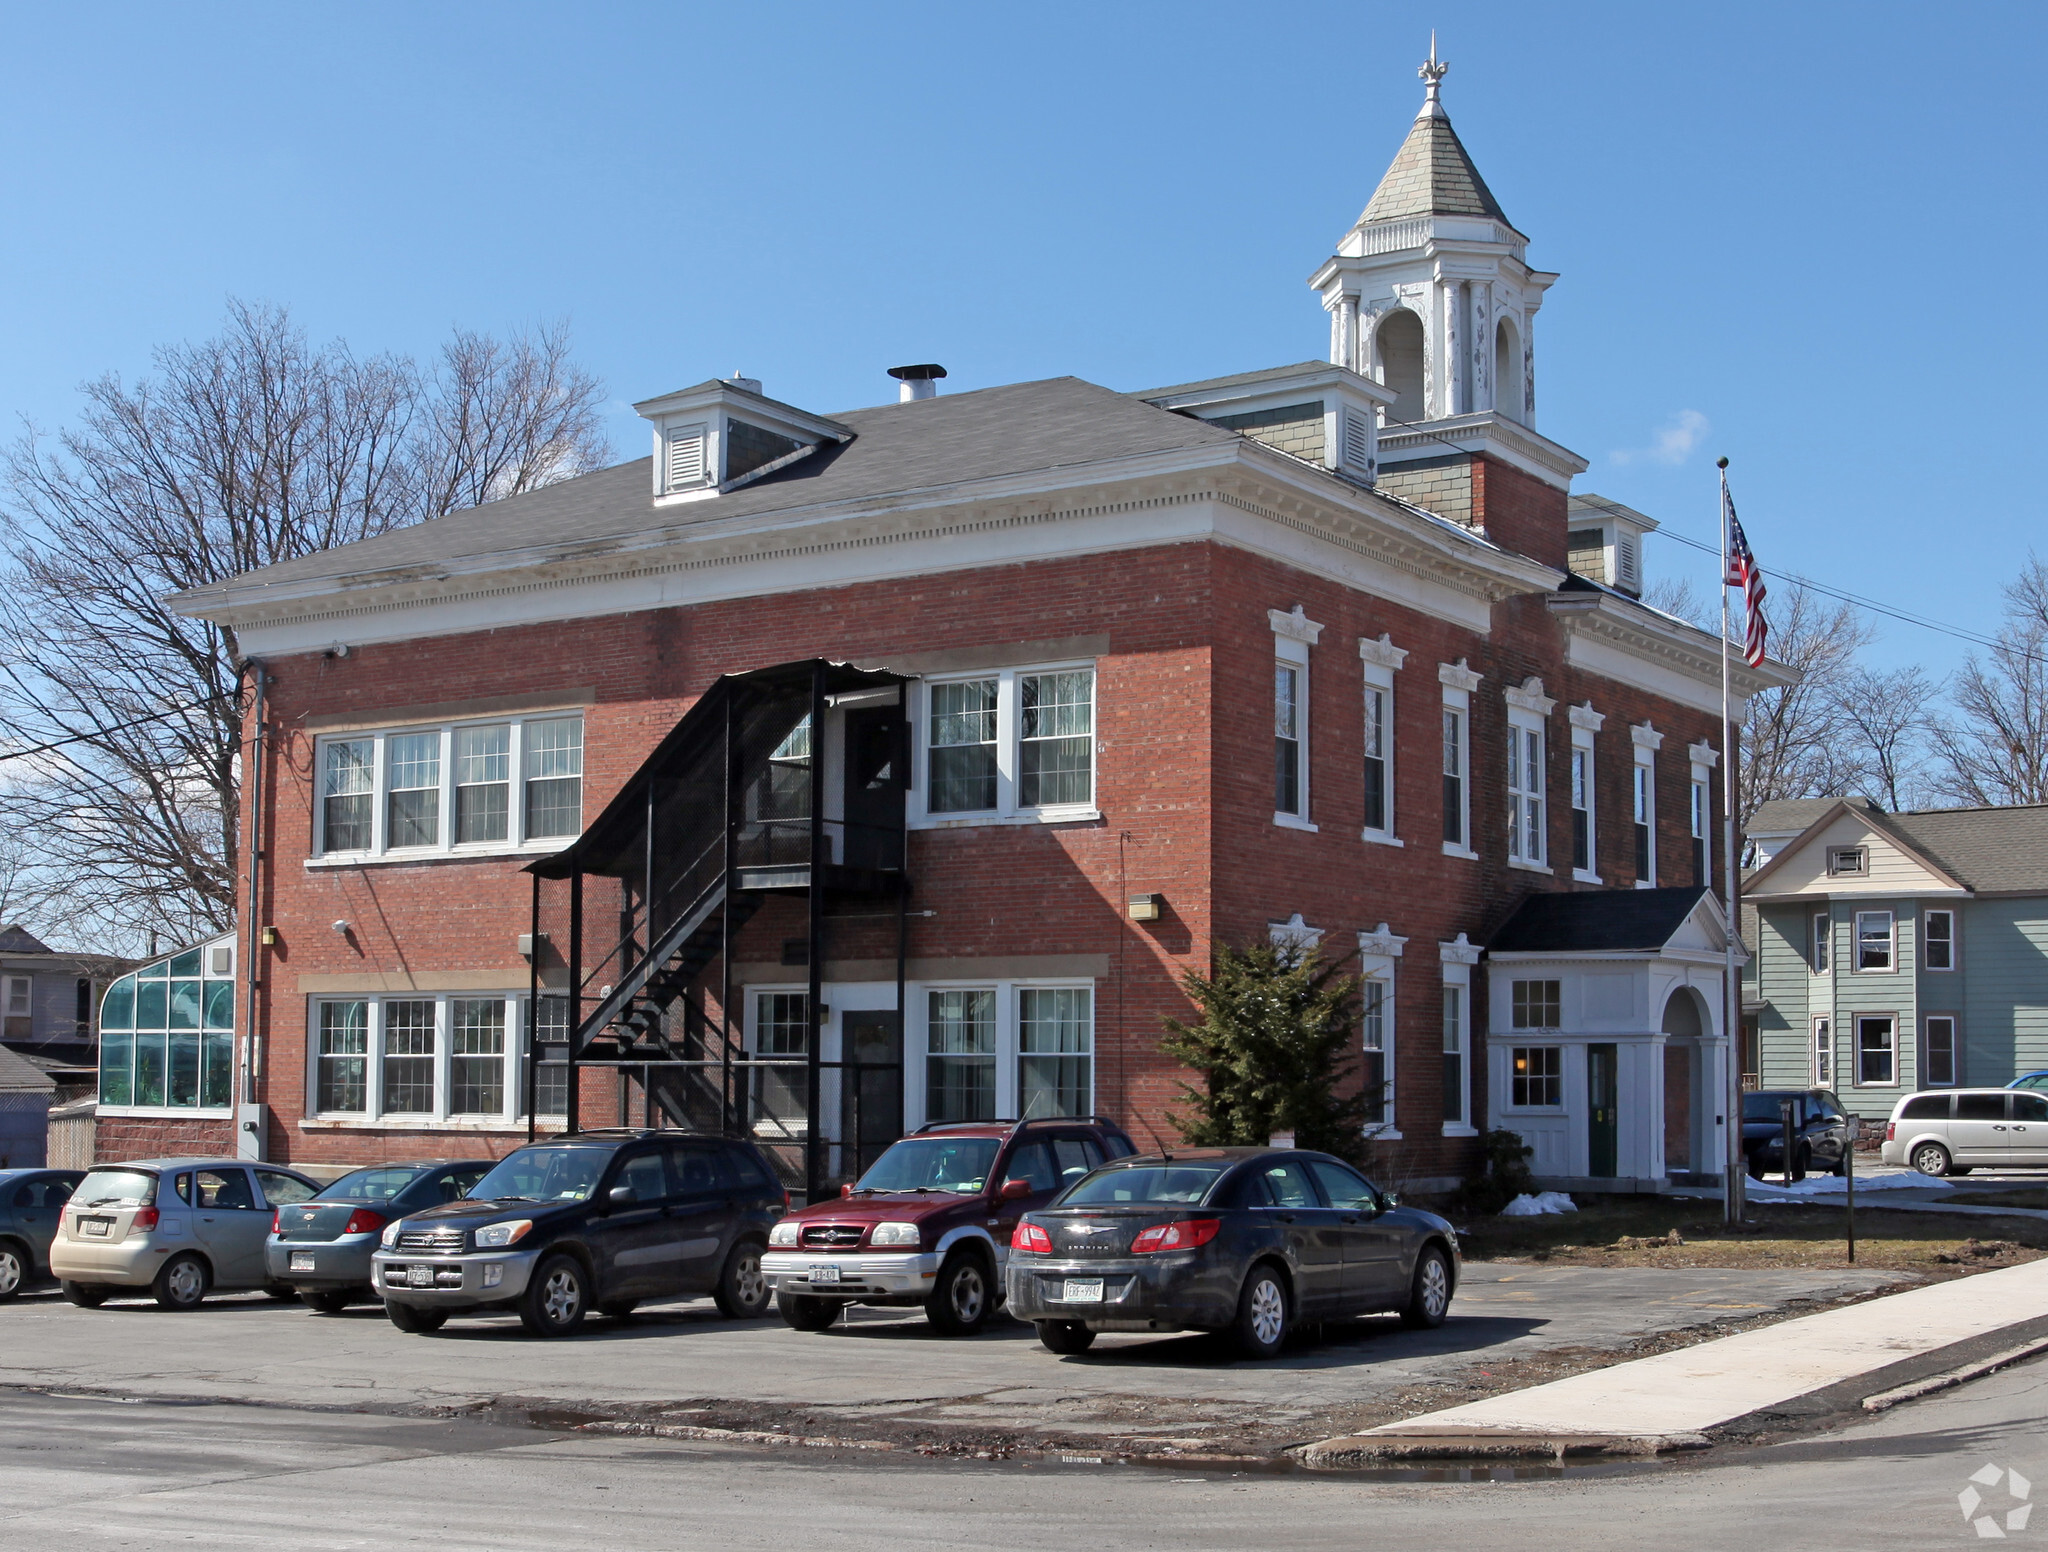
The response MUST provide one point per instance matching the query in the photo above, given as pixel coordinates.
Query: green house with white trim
(1892, 952)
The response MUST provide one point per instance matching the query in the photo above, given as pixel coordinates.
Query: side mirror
(1389, 1200)
(847, 1189)
(1016, 1190)
(622, 1196)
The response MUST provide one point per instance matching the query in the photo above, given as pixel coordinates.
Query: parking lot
(885, 1377)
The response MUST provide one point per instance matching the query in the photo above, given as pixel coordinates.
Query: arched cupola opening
(1508, 388)
(1398, 354)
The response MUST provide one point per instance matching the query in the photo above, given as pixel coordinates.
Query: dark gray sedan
(1247, 1241)
(322, 1247)
(31, 1202)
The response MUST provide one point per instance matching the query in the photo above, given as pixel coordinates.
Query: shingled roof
(1432, 176)
(1595, 920)
(1993, 850)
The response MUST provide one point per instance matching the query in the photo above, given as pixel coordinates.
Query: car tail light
(363, 1221)
(145, 1218)
(1891, 1131)
(275, 1226)
(1185, 1234)
(1030, 1236)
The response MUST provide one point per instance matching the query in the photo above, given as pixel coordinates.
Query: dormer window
(685, 456)
(1605, 543)
(1324, 415)
(724, 434)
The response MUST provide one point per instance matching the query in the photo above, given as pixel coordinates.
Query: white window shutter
(685, 463)
(1628, 561)
(1357, 440)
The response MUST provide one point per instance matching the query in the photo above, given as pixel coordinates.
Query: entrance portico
(1606, 1046)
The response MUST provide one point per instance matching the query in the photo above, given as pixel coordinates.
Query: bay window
(450, 789)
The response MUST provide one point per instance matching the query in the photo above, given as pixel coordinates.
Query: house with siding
(1895, 951)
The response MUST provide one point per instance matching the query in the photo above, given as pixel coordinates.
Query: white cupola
(1429, 292)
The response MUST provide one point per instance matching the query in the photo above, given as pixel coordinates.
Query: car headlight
(496, 1236)
(390, 1235)
(894, 1234)
(784, 1233)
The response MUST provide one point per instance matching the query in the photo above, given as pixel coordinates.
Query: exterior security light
(1146, 907)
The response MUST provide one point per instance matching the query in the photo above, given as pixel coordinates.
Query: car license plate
(419, 1276)
(1082, 1290)
(302, 1261)
(824, 1274)
(97, 1227)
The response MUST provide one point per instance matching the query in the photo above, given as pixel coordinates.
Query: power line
(119, 727)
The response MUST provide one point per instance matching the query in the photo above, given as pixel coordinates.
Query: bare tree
(1885, 719)
(244, 450)
(1992, 747)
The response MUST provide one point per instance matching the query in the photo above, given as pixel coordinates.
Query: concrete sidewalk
(1811, 1365)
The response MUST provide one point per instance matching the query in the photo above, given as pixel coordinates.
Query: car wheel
(330, 1301)
(411, 1318)
(960, 1299)
(1429, 1296)
(618, 1309)
(1960, 1169)
(807, 1313)
(87, 1295)
(1261, 1324)
(742, 1292)
(1802, 1161)
(1755, 1165)
(1931, 1158)
(558, 1297)
(13, 1271)
(182, 1282)
(1065, 1336)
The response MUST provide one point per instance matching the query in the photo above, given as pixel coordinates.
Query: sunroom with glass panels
(167, 1035)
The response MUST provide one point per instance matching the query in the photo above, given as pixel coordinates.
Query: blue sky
(1797, 235)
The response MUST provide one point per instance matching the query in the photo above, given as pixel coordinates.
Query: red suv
(930, 1222)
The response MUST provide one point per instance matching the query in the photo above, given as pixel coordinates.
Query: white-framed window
(1877, 1054)
(1646, 741)
(1938, 1052)
(1001, 1049)
(1458, 683)
(1876, 942)
(1702, 817)
(430, 1058)
(20, 1014)
(1536, 1077)
(1536, 1005)
(1820, 952)
(1381, 660)
(1525, 791)
(1849, 861)
(1006, 744)
(1293, 635)
(1582, 809)
(1938, 941)
(167, 1035)
(1379, 956)
(483, 786)
(1823, 1046)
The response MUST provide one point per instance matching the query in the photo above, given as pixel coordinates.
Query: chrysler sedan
(323, 1247)
(1242, 1241)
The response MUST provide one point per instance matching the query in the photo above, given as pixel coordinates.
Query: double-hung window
(1380, 660)
(1005, 1049)
(1646, 741)
(960, 1059)
(1938, 941)
(1055, 1051)
(1823, 1052)
(1938, 1052)
(1293, 635)
(1582, 809)
(1876, 942)
(1525, 794)
(1014, 743)
(1877, 1050)
(1458, 683)
(466, 786)
(1457, 958)
(1702, 821)
(1379, 956)
(432, 1059)
(1822, 953)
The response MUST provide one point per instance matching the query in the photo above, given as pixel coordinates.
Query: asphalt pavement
(99, 1473)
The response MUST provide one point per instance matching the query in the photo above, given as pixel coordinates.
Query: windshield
(1178, 1183)
(956, 1164)
(1764, 1107)
(103, 1187)
(544, 1174)
(368, 1185)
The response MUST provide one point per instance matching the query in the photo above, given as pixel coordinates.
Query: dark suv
(930, 1222)
(1820, 1132)
(601, 1219)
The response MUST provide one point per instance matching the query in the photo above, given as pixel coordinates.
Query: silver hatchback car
(1953, 1131)
(176, 1229)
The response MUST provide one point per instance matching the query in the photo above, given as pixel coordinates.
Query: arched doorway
(1685, 1021)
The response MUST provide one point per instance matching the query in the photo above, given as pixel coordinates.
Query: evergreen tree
(1276, 1037)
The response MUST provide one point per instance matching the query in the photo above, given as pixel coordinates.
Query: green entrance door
(1602, 1092)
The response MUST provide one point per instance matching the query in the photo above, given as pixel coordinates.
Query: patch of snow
(1835, 1185)
(1527, 1206)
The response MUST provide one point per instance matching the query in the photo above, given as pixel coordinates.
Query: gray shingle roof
(18, 1075)
(19, 940)
(897, 448)
(1592, 920)
(1432, 176)
(1993, 850)
(1789, 816)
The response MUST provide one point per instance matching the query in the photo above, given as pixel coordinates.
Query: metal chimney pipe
(919, 382)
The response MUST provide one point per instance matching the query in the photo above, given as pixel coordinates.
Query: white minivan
(1953, 1131)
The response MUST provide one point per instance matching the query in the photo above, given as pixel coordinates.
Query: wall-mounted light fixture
(528, 941)
(1146, 907)
(270, 937)
(342, 928)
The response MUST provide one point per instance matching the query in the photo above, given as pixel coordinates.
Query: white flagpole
(1732, 1166)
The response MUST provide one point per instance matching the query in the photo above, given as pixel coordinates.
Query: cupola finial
(1432, 73)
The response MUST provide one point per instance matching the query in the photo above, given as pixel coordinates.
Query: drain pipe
(252, 790)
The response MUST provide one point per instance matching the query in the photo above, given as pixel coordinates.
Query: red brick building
(1325, 650)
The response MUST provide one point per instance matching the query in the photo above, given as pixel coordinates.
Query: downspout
(252, 1050)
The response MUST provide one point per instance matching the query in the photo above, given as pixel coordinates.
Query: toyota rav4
(930, 1222)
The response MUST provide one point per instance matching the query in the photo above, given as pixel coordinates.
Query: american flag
(1743, 573)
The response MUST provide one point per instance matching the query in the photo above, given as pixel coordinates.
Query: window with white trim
(1876, 942)
(1454, 1073)
(1645, 806)
(1877, 1053)
(1938, 1052)
(470, 786)
(1293, 635)
(1821, 948)
(1379, 955)
(1938, 941)
(1380, 661)
(430, 1058)
(1007, 743)
(1525, 790)
(1823, 1052)
(1055, 1051)
(1002, 1049)
(1536, 1077)
(1582, 804)
(1458, 683)
(167, 1034)
(20, 1015)
(1702, 823)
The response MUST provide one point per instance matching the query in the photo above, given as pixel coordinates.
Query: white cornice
(1489, 433)
(1704, 754)
(1529, 696)
(1586, 717)
(1655, 638)
(1456, 676)
(1296, 626)
(1382, 652)
(1644, 736)
(1381, 943)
